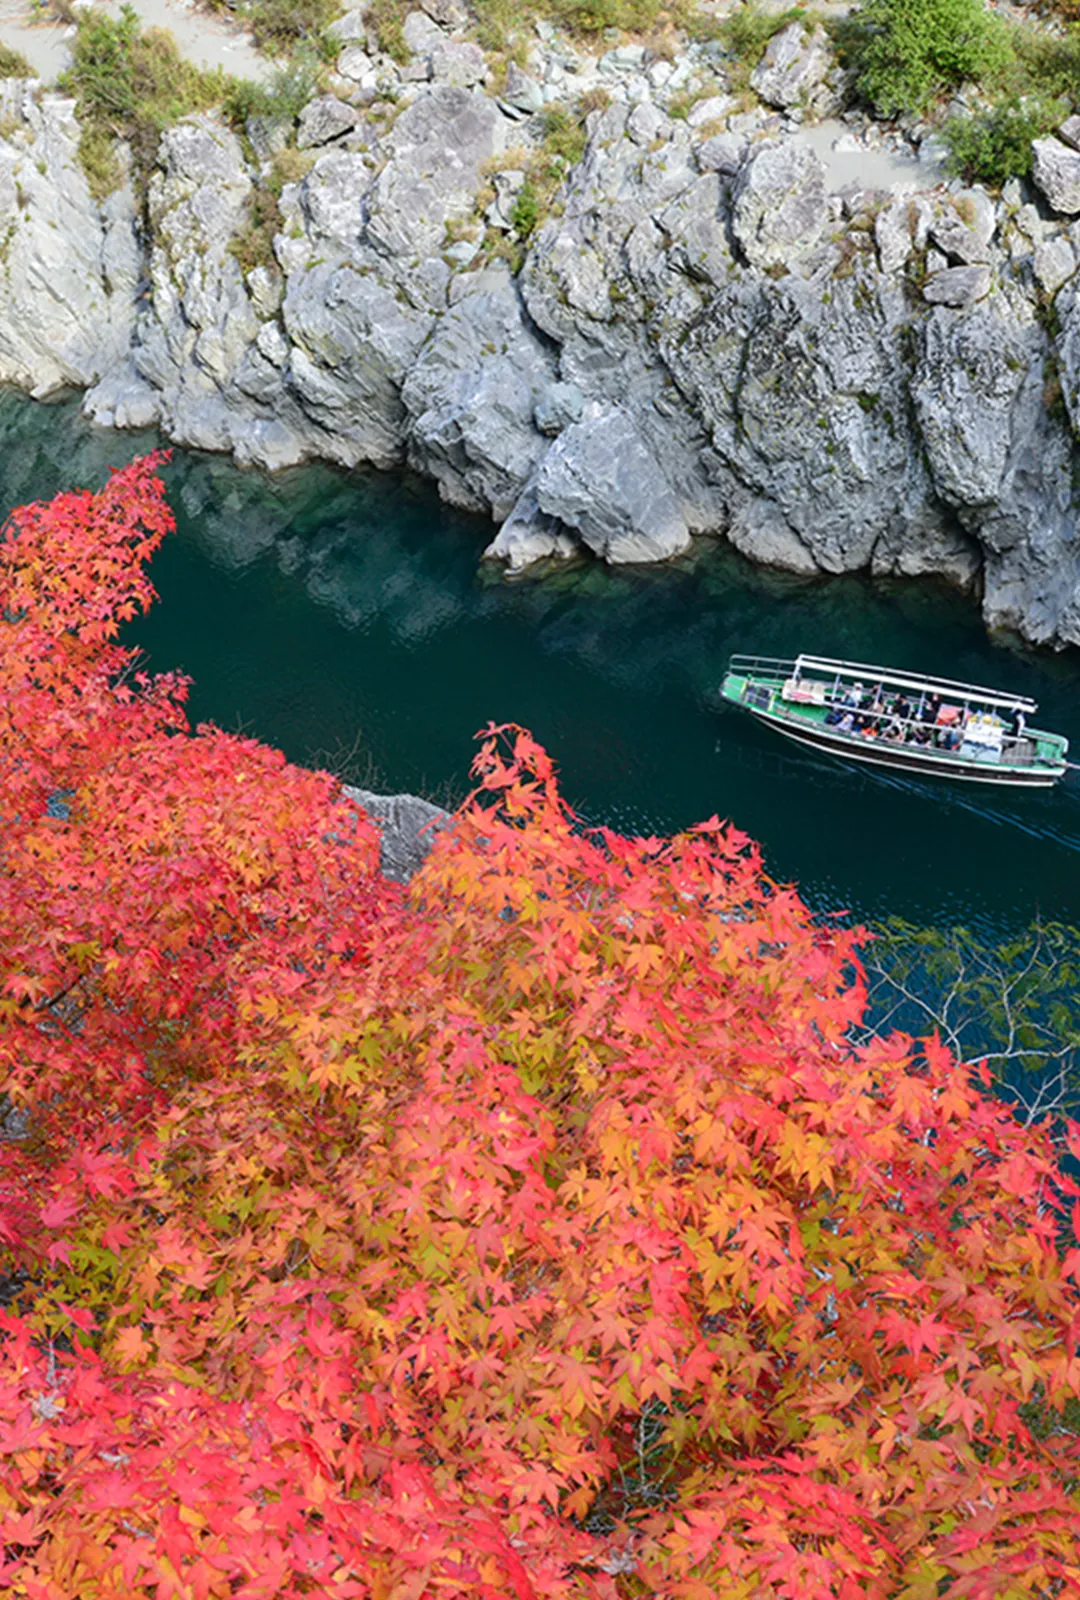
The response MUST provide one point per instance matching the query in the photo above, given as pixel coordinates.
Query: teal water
(349, 619)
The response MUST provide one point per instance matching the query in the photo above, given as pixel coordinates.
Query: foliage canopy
(536, 1231)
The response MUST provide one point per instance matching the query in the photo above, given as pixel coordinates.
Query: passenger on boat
(902, 706)
(894, 731)
(920, 734)
(931, 708)
(1017, 722)
(846, 723)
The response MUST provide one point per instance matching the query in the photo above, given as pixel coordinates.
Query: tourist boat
(932, 726)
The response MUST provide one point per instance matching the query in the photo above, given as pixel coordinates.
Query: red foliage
(535, 1232)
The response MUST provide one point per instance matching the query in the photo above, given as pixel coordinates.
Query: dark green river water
(349, 619)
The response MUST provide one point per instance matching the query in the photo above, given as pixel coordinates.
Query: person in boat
(894, 731)
(902, 707)
(846, 723)
(931, 709)
(1017, 722)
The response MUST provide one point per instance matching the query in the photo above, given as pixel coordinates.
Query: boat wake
(803, 770)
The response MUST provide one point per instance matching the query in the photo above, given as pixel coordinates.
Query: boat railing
(772, 666)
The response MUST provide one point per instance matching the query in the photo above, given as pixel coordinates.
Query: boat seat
(804, 694)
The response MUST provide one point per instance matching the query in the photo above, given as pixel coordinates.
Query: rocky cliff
(710, 334)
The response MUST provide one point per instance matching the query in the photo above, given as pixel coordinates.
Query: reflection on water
(333, 613)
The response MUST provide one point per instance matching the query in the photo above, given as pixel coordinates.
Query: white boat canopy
(946, 687)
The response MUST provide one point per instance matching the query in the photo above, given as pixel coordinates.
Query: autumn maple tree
(537, 1230)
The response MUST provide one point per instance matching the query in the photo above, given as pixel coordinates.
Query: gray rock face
(601, 478)
(408, 827)
(793, 70)
(470, 398)
(780, 207)
(68, 267)
(698, 343)
(1056, 170)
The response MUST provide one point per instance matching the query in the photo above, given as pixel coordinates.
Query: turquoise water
(349, 619)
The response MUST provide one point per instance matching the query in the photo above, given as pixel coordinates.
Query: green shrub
(13, 65)
(906, 52)
(386, 17)
(746, 32)
(1048, 64)
(564, 136)
(993, 146)
(525, 213)
(278, 26)
(131, 85)
(281, 98)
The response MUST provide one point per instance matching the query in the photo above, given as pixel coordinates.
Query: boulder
(560, 405)
(712, 109)
(1070, 131)
(447, 13)
(436, 149)
(780, 209)
(601, 478)
(408, 827)
(349, 29)
(893, 234)
(355, 64)
(521, 92)
(421, 34)
(794, 67)
(1056, 171)
(1054, 263)
(957, 286)
(463, 64)
(723, 153)
(959, 241)
(324, 120)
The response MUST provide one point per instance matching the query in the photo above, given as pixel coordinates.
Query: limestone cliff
(709, 335)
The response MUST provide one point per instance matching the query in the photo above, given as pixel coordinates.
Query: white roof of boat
(946, 687)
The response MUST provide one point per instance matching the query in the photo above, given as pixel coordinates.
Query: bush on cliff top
(994, 145)
(536, 1232)
(130, 85)
(907, 52)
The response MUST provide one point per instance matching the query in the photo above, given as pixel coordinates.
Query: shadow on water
(351, 614)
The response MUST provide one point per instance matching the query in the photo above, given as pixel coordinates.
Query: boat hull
(905, 758)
